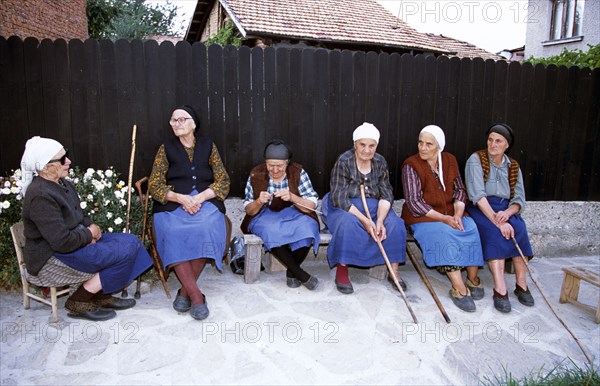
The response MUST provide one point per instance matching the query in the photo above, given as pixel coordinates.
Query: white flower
(109, 173)
(118, 221)
(83, 204)
(106, 202)
(89, 197)
(124, 189)
(109, 215)
(108, 184)
(19, 197)
(123, 202)
(5, 191)
(75, 181)
(17, 174)
(5, 205)
(15, 190)
(19, 183)
(90, 171)
(110, 229)
(100, 173)
(7, 184)
(119, 195)
(121, 182)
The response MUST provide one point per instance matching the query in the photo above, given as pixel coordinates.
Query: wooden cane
(413, 259)
(385, 257)
(129, 181)
(583, 350)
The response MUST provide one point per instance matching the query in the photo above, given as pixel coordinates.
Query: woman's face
(428, 147)
(58, 166)
(496, 144)
(365, 149)
(182, 123)
(276, 168)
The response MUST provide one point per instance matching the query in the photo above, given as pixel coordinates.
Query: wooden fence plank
(230, 153)
(245, 119)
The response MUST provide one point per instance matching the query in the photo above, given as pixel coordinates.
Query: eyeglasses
(62, 159)
(180, 120)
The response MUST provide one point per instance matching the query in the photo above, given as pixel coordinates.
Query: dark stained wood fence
(88, 95)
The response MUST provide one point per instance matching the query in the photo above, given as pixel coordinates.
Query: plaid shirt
(305, 188)
(346, 180)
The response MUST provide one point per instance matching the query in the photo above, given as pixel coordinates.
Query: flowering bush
(103, 199)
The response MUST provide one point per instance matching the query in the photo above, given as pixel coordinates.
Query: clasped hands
(377, 231)
(190, 204)
(96, 233)
(501, 221)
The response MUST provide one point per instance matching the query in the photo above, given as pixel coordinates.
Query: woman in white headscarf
(351, 241)
(434, 209)
(64, 247)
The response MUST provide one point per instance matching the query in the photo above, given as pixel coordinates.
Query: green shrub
(576, 57)
(103, 199)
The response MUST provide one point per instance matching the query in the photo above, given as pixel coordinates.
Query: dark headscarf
(190, 110)
(504, 130)
(277, 149)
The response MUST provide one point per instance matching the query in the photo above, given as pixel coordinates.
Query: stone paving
(266, 333)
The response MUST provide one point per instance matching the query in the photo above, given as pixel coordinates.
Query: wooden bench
(570, 288)
(255, 255)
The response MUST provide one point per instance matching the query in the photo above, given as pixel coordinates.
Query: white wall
(538, 29)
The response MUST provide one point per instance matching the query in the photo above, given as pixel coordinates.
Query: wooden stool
(570, 288)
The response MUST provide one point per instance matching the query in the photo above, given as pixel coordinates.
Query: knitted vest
(259, 179)
(513, 170)
(433, 192)
(186, 176)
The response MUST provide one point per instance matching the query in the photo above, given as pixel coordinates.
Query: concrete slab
(267, 333)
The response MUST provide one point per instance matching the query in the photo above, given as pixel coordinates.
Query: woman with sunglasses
(189, 184)
(63, 246)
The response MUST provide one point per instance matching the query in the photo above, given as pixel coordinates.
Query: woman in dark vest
(495, 187)
(434, 209)
(279, 203)
(189, 184)
(63, 246)
(351, 242)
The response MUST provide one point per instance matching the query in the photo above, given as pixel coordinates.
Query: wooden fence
(88, 95)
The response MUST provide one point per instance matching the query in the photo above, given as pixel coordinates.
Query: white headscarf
(38, 151)
(366, 130)
(440, 138)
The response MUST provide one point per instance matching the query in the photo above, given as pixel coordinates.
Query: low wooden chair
(19, 241)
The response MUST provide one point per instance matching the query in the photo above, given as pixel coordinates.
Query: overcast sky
(490, 24)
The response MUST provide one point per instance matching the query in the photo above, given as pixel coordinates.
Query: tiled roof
(463, 49)
(345, 21)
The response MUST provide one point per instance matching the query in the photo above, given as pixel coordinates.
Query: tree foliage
(226, 35)
(576, 57)
(130, 19)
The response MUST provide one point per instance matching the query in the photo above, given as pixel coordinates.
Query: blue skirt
(183, 237)
(288, 226)
(443, 245)
(350, 242)
(495, 246)
(118, 257)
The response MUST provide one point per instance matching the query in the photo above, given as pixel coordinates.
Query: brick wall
(43, 19)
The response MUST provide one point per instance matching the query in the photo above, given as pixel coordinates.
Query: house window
(567, 17)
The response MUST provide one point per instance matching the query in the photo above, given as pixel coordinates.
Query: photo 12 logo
(90, 332)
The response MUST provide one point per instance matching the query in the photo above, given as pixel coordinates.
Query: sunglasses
(62, 159)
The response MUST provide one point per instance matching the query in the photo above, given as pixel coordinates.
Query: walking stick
(385, 257)
(129, 181)
(583, 350)
(413, 259)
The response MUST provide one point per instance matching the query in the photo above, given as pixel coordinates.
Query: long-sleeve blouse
(157, 183)
(413, 192)
(346, 180)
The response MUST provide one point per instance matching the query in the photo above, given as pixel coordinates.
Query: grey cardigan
(54, 222)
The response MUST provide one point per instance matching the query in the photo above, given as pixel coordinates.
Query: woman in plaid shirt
(351, 243)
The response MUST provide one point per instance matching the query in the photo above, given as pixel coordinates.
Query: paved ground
(266, 333)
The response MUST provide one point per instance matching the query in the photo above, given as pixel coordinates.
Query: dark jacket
(54, 222)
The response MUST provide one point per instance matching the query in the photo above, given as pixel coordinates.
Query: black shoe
(199, 311)
(88, 311)
(114, 303)
(524, 296)
(477, 291)
(464, 302)
(501, 302)
(292, 282)
(400, 281)
(181, 304)
(312, 283)
(344, 288)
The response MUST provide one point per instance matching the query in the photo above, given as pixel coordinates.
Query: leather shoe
(524, 296)
(312, 283)
(477, 291)
(114, 303)
(501, 302)
(344, 288)
(199, 311)
(181, 303)
(292, 282)
(464, 302)
(400, 281)
(88, 311)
